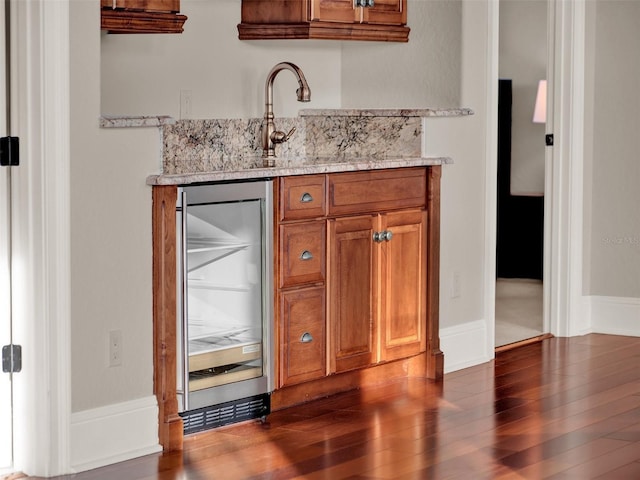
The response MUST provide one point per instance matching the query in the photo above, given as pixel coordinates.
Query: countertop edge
(351, 165)
(117, 121)
(386, 112)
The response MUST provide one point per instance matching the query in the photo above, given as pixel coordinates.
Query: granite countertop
(299, 167)
(326, 141)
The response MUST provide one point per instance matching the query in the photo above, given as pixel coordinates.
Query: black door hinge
(9, 151)
(11, 358)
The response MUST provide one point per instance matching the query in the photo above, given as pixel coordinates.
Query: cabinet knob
(306, 198)
(306, 255)
(306, 338)
(384, 236)
(360, 3)
(369, 3)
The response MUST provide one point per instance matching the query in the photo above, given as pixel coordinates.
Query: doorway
(521, 173)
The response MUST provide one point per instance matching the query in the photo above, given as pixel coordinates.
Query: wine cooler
(225, 344)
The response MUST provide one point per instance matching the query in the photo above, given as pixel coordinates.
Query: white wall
(144, 74)
(422, 73)
(523, 59)
(613, 169)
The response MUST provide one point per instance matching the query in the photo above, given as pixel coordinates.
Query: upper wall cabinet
(376, 20)
(141, 16)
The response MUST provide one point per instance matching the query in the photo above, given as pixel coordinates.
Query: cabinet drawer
(373, 191)
(302, 253)
(302, 335)
(302, 197)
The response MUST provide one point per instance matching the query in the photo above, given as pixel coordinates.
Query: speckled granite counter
(325, 140)
(302, 166)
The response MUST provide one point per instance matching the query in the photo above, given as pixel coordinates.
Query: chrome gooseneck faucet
(271, 136)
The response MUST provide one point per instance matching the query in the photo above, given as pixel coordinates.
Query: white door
(6, 417)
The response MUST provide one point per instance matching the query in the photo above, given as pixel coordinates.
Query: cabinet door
(387, 12)
(335, 11)
(302, 336)
(352, 286)
(403, 284)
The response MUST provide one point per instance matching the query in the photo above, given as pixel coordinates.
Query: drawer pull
(306, 338)
(306, 198)
(306, 255)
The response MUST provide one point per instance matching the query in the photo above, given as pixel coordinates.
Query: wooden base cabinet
(375, 268)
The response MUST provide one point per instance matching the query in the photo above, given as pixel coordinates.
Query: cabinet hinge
(11, 358)
(9, 151)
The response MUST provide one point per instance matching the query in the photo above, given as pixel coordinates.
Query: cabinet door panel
(302, 341)
(388, 12)
(403, 292)
(335, 11)
(353, 283)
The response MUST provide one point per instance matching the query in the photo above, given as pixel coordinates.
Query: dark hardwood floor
(558, 409)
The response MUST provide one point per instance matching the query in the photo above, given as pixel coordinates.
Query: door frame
(6, 409)
(565, 308)
(41, 235)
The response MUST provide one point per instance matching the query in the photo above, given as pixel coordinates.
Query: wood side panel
(164, 316)
(403, 285)
(352, 298)
(435, 357)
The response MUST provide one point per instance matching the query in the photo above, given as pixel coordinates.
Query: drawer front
(302, 197)
(302, 336)
(373, 191)
(302, 253)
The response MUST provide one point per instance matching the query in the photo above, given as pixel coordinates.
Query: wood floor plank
(563, 408)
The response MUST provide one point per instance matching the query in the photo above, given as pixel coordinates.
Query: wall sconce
(540, 110)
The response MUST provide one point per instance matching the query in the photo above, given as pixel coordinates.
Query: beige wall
(612, 253)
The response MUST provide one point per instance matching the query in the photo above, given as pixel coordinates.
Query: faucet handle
(281, 137)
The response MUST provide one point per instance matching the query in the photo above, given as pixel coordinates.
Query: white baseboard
(615, 315)
(114, 433)
(465, 345)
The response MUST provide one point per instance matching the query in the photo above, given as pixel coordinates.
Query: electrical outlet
(456, 285)
(185, 103)
(115, 348)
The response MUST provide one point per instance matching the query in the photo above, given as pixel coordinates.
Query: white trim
(114, 433)
(491, 173)
(42, 237)
(465, 345)
(567, 308)
(615, 315)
